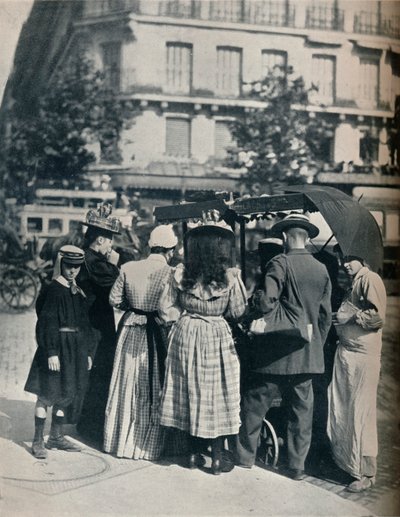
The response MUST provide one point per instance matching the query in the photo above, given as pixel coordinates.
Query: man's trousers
(259, 392)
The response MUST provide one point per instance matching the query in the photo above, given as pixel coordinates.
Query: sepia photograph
(199, 258)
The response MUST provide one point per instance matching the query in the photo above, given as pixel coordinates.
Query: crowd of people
(171, 379)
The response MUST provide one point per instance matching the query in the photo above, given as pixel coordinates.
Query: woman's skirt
(132, 428)
(352, 422)
(202, 380)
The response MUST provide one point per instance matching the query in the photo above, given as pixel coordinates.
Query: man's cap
(100, 219)
(163, 236)
(72, 255)
(270, 240)
(295, 221)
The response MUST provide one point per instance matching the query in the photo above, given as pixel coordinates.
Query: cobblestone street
(18, 345)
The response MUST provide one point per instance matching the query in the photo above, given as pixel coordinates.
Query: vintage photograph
(199, 258)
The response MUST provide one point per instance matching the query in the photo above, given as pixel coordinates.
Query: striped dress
(201, 392)
(132, 428)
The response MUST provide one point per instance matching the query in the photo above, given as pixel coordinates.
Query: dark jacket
(96, 278)
(315, 290)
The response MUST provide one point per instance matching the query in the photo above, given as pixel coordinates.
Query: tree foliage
(49, 141)
(279, 143)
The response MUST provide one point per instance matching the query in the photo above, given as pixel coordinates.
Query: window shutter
(179, 67)
(369, 80)
(271, 58)
(112, 63)
(223, 138)
(177, 137)
(323, 76)
(229, 71)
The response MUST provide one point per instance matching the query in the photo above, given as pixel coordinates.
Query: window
(270, 59)
(369, 147)
(378, 216)
(324, 15)
(179, 67)
(177, 141)
(223, 138)
(55, 226)
(35, 224)
(229, 71)
(278, 13)
(112, 64)
(323, 77)
(369, 81)
(226, 10)
(73, 225)
(392, 227)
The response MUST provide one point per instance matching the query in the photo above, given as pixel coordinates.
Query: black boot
(57, 439)
(195, 460)
(220, 462)
(38, 449)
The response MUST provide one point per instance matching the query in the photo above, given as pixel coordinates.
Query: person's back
(144, 281)
(297, 280)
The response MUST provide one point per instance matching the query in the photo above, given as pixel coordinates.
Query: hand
(113, 257)
(89, 363)
(342, 317)
(54, 363)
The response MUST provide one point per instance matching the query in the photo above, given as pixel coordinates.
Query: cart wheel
(18, 288)
(268, 449)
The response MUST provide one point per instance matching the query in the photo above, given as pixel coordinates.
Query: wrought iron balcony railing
(262, 12)
(373, 23)
(276, 13)
(324, 18)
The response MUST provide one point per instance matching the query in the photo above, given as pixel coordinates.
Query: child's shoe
(62, 444)
(38, 449)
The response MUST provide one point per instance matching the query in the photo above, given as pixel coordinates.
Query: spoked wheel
(18, 288)
(268, 448)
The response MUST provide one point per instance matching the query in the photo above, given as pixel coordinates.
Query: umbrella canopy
(352, 224)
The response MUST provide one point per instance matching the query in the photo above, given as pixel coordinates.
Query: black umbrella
(354, 227)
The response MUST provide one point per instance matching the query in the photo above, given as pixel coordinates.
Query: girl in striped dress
(201, 393)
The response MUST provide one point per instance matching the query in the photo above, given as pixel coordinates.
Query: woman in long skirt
(352, 426)
(132, 428)
(202, 382)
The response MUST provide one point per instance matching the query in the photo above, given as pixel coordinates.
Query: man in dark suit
(289, 373)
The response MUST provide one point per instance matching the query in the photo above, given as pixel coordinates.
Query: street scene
(199, 257)
(97, 484)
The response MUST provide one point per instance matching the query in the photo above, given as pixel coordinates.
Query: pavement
(92, 483)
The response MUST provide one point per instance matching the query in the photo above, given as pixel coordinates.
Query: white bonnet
(163, 236)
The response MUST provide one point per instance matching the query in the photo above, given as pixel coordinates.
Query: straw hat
(295, 221)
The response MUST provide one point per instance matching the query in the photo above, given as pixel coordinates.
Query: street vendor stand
(353, 226)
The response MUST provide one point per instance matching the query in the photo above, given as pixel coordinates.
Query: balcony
(106, 7)
(373, 23)
(277, 14)
(259, 12)
(324, 18)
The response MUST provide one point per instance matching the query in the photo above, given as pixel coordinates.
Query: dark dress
(96, 278)
(59, 309)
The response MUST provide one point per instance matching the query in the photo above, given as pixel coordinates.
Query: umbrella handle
(327, 242)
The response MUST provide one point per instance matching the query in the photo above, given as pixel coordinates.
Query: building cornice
(167, 99)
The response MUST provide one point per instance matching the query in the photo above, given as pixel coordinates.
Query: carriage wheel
(18, 288)
(268, 448)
